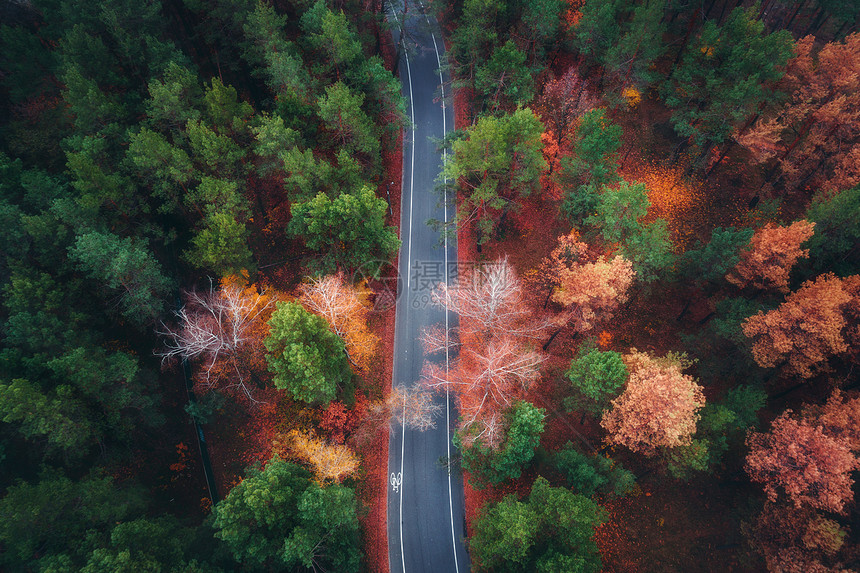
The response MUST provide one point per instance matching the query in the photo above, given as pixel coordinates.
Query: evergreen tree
(724, 76)
(308, 360)
(524, 424)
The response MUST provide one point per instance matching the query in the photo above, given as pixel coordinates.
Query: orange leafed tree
(329, 462)
(342, 306)
(815, 138)
(223, 330)
(816, 322)
(770, 256)
(813, 468)
(588, 290)
(658, 407)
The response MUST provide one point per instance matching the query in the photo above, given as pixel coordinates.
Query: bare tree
(341, 305)
(413, 408)
(488, 380)
(490, 299)
(219, 327)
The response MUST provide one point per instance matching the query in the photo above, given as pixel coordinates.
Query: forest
(658, 218)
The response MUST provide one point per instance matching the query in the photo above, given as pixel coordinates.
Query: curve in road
(426, 515)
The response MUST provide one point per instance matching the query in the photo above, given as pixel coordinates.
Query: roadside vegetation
(658, 343)
(198, 182)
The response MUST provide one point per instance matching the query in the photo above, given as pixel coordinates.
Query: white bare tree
(340, 305)
(411, 407)
(488, 380)
(213, 327)
(490, 299)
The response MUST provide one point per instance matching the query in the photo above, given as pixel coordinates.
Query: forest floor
(243, 436)
(667, 524)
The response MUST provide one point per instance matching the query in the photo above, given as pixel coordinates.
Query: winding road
(425, 502)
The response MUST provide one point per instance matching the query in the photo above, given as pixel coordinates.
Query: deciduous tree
(488, 378)
(342, 306)
(815, 323)
(329, 462)
(489, 300)
(659, 406)
(797, 539)
(799, 458)
(770, 256)
(414, 408)
(814, 139)
(563, 100)
(224, 330)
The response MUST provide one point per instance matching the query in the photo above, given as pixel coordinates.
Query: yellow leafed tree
(329, 462)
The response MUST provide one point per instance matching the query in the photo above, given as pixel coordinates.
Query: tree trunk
(708, 317)
(722, 156)
(685, 310)
(552, 337)
(799, 7)
(690, 26)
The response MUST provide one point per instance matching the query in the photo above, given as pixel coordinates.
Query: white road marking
(397, 479)
(447, 362)
(399, 489)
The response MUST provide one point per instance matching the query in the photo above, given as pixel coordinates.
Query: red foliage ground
(242, 435)
(373, 491)
(667, 525)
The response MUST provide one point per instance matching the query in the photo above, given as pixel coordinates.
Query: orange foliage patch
(678, 200)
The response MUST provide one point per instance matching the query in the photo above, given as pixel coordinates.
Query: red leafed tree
(816, 322)
(799, 458)
(563, 101)
(658, 407)
(342, 307)
(797, 540)
(489, 301)
(770, 256)
(815, 138)
(488, 379)
(223, 330)
(839, 417)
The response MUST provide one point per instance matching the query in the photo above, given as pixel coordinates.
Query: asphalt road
(425, 502)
